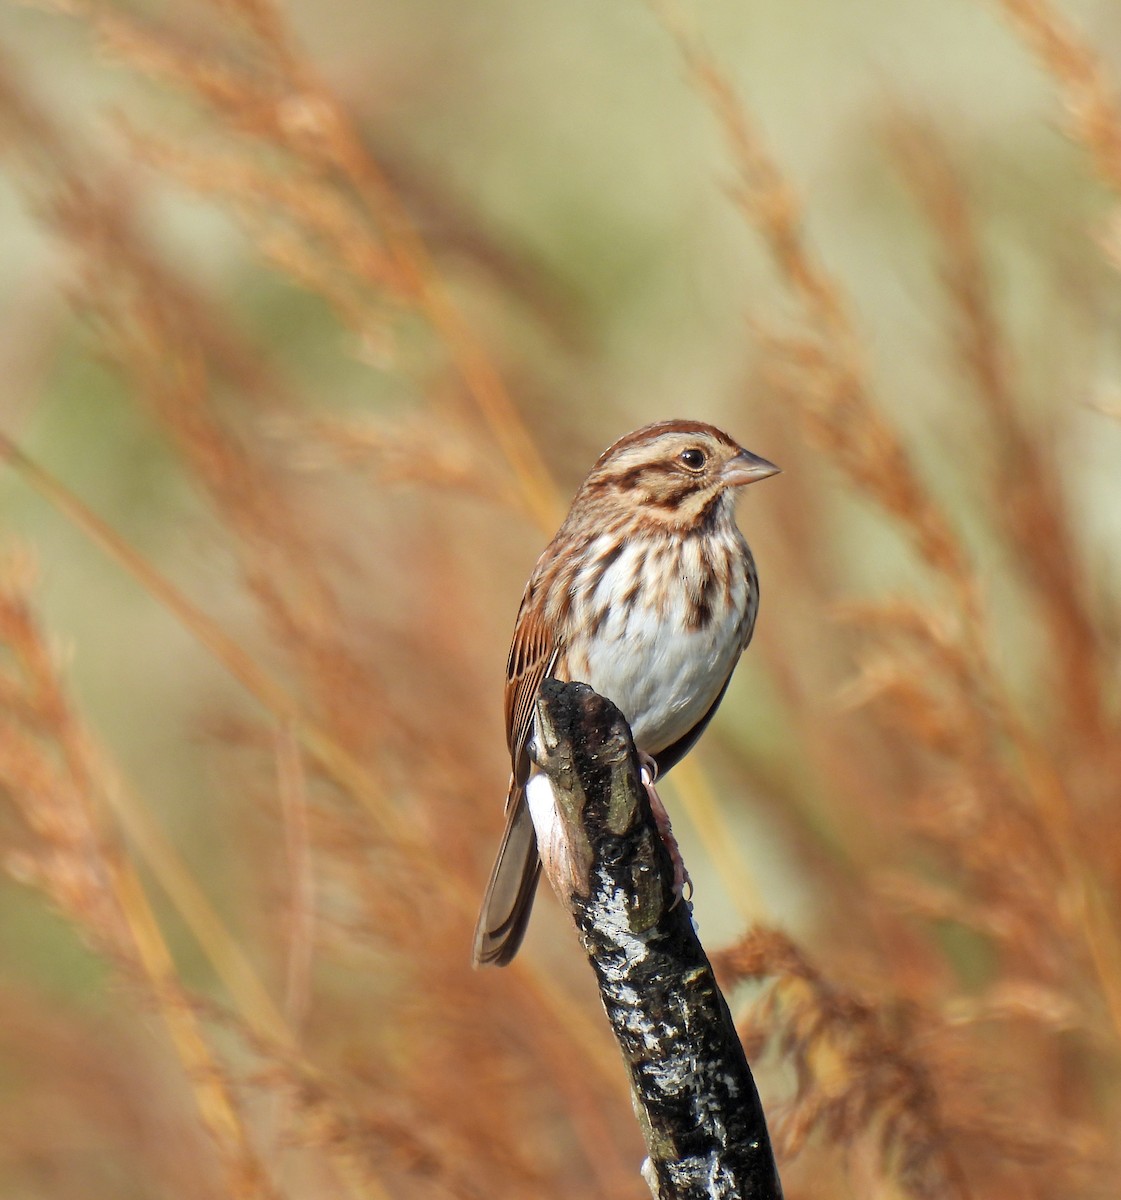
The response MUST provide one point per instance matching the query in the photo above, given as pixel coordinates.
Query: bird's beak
(747, 468)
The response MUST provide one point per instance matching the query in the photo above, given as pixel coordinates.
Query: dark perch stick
(691, 1086)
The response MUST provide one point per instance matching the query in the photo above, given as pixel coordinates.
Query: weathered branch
(691, 1086)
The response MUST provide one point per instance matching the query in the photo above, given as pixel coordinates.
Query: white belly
(662, 675)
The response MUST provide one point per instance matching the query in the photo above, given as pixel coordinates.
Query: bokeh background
(311, 320)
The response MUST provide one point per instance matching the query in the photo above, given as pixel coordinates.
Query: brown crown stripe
(661, 428)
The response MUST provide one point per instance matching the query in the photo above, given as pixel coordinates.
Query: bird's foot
(649, 773)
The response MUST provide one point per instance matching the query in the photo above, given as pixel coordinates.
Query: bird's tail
(509, 895)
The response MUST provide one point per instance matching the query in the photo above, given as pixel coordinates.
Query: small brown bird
(648, 593)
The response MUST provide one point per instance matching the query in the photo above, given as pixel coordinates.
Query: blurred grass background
(325, 311)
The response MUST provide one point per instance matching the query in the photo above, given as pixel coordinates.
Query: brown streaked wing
(532, 655)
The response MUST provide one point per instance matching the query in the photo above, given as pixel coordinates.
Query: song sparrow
(648, 593)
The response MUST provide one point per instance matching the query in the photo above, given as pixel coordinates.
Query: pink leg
(681, 880)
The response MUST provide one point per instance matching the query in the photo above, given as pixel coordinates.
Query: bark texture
(691, 1086)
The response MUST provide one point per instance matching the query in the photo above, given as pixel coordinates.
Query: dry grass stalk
(820, 369)
(1089, 95)
(53, 776)
(273, 95)
(855, 1075)
(1024, 492)
(892, 1084)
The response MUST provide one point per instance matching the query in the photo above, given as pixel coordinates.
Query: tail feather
(509, 895)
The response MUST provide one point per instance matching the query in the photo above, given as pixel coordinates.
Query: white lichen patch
(613, 921)
(651, 1176)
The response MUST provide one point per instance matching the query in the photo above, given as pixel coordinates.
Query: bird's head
(675, 471)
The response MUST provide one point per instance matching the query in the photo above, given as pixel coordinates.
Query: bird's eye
(692, 458)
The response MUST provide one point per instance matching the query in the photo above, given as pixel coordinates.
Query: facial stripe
(651, 435)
